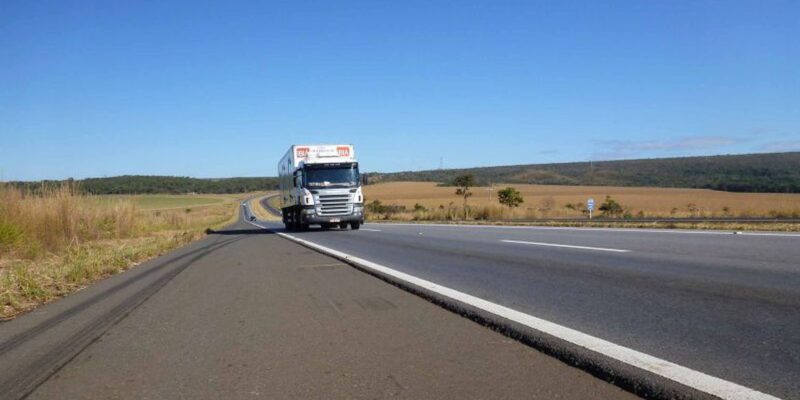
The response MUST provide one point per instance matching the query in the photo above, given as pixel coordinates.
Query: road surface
(721, 303)
(245, 313)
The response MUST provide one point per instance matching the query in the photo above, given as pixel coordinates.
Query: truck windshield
(330, 175)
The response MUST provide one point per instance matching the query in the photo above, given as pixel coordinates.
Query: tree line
(769, 172)
(145, 184)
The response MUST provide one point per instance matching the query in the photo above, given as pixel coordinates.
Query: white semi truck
(320, 184)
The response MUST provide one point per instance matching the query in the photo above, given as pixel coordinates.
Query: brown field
(543, 201)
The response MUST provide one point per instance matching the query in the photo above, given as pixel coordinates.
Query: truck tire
(286, 217)
(343, 225)
(355, 225)
(298, 220)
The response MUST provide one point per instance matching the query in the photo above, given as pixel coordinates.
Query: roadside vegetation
(423, 201)
(56, 240)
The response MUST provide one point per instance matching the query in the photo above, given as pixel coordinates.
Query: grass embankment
(424, 201)
(59, 241)
(260, 212)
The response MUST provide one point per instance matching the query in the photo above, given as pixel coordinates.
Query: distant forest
(141, 184)
(772, 172)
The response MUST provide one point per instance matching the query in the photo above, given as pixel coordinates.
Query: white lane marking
(567, 246)
(683, 375)
(563, 228)
(371, 230)
(767, 234)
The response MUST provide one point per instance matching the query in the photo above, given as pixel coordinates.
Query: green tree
(510, 197)
(611, 207)
(463, 184)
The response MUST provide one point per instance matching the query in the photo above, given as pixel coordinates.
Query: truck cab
(320, 185)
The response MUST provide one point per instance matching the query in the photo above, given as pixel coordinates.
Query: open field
(161, 202)
(61, 241)
(550, 201)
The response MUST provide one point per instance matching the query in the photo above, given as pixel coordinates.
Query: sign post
(590, 206)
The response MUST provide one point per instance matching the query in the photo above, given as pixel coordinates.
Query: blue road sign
(590, 204)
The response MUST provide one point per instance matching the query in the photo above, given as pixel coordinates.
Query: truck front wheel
(299, 224)
(286, 216)
(355, 225)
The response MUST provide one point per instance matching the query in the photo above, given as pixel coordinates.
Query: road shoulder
(266, 317)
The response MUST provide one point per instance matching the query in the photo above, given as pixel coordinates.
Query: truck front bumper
(311, 217)
(319, 219)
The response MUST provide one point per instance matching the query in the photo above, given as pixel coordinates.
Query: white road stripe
(371, 230)
(626, 230)
(567, 246)
(686, 376)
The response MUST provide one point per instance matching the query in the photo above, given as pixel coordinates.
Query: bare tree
(463, 184)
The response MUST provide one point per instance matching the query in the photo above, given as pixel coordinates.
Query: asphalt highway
(245, 313)
(721, 303)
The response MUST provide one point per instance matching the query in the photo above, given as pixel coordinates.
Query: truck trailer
(320, 185)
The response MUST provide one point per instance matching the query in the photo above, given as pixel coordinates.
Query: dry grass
(260, 212)
(549, 201)
(59, 241)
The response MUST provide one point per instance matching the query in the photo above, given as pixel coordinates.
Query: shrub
(510, 197)
(376, 208)
(611, 208)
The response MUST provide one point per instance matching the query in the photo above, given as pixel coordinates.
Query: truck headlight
(358, 197)
(307, 199)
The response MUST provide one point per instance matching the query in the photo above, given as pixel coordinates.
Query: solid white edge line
(680, 374)
(590, 229)
(569, 246)
(371, 230)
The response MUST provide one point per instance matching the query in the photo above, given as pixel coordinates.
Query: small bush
(510, 197)
(611, 208)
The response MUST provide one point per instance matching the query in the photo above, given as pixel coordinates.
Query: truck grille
(335, 204)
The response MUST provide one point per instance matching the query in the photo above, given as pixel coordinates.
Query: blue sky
(216, 89)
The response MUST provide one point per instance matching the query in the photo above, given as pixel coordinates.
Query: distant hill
(144, 184)
(771, 172)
